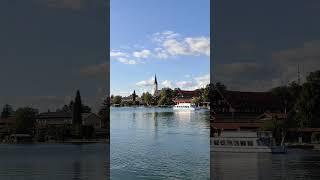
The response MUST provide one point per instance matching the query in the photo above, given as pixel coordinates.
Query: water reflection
(54, 161)
(297, 164)
(158, 143)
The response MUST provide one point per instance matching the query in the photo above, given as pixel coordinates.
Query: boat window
(236, 143)
(250, 143)
(229, 143)
(259, 143)
(243, 143)
(216, 142)
(222, 142)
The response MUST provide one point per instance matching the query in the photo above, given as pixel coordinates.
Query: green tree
(166, 97)
(278, 127)
(104, 112)
(134, 96)
(25, 120)
(146, 98)
(197, 101)
(117, 100)
(68, 108)
(85, 109)
(308, 105)
(6, 111)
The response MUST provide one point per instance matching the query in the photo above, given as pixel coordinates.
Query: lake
(54, 161)
(296, 164)
(159, 143)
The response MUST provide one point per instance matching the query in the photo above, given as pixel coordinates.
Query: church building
(156, 91)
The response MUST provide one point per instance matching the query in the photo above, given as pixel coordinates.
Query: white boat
(185, 107)
(245, 142)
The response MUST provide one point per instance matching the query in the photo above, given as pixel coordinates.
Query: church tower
(155, 86)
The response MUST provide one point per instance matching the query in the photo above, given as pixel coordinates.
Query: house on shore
(65, 118)
(235, 110)
(63, 121)
(249, 111)
(184, 96)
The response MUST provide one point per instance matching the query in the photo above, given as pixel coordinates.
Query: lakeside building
(249, 111)
(55, 121)
(65, 118)
(184, 96)
(235, 110)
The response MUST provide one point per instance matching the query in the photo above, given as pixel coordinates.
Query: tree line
(24, 118)
(166, 96)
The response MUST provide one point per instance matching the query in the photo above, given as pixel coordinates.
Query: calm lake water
(158, 143)
(54, 161)
(296, 164)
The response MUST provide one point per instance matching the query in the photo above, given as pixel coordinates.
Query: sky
(51, 48)
(259, 45)
(48, 49)
(169, 38)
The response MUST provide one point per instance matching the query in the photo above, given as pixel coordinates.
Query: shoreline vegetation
(296, 120)
(73, 123)
(163, 98)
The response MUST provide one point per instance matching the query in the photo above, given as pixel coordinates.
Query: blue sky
(169, 38)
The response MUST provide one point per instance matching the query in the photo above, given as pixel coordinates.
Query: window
(243, 143)
(250, 143)
(229, 143)
(259, 143)
(216, 142)
(236, 143)
(222, 142)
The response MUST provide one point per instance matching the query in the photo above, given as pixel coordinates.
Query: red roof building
(235, 110)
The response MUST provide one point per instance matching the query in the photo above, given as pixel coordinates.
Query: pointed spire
(155, 79)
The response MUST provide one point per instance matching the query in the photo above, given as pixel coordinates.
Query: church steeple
(155, 79)
(155, 85)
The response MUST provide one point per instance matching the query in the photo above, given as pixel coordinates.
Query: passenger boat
(185, 107)
(245, 142)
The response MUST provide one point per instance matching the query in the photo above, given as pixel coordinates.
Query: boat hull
(184, 109)
(262, 149)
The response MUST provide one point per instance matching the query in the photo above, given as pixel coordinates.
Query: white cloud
(174, 47)
(126, 61)
(142, 54)
(168, 44)
(184, 84)
(172, 44)
(199, 45)
(114, 53)
(194, 83)
(159, 37)
(122, 57)
(161, 53)
(146, 83)
(167, 84)
(202, 81)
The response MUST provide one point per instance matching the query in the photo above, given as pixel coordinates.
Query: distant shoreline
(77, 142)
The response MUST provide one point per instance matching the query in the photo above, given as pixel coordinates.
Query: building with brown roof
(235, 110)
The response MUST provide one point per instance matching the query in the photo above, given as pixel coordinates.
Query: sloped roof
(48, 115)
(187, 94)
(238, 99)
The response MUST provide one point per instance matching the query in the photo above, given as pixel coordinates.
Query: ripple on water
(157, 143)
